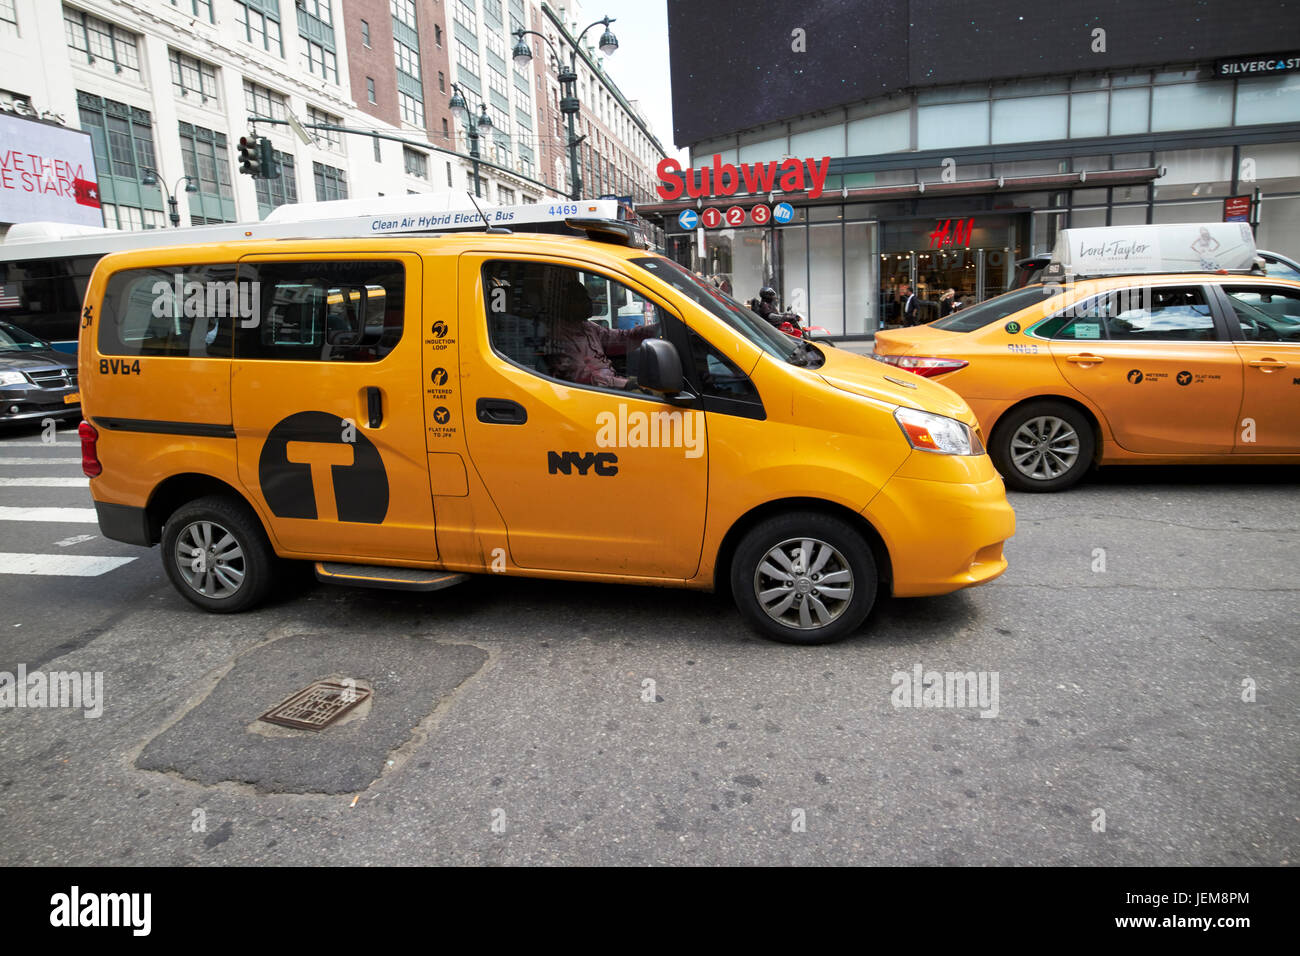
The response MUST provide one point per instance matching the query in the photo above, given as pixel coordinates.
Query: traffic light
(250, 160)
(266, 155)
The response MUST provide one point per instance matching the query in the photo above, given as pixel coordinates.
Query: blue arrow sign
(783, 212)
(689, 219)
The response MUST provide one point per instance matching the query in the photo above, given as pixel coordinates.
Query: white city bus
(44, 266)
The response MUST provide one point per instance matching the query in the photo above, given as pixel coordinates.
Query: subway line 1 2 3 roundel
(315, 464)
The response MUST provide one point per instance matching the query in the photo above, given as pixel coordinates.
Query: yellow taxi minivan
(1165, 361)
(405, 411)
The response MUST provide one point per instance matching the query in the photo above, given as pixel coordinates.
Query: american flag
(9, 298)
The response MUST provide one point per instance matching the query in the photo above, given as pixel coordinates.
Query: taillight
(925, 366)
(90, 465)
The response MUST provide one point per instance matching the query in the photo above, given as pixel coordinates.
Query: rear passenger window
(1267, 313)
(1171, 314)
(184, 311)
(335, 311)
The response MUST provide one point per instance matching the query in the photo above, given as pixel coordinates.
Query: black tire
(842, 614)
(1063, 428)
(253, 568)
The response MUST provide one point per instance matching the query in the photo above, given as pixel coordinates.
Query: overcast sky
(640, 67)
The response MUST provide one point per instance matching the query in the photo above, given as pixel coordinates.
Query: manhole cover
(317, 706)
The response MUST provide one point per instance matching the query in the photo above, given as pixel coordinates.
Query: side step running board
(378, 576)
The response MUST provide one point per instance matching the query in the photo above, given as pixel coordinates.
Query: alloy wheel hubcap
(210, 559)
(1044, 448)
(803, 583)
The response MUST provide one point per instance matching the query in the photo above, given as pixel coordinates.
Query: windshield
(719, 304)
(13, 339)
(995, 309)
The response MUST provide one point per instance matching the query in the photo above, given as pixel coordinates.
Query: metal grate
(317, 706)
(53, 377)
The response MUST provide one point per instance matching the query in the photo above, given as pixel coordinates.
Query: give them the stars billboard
(47, 174)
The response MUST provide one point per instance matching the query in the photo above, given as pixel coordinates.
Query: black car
(36, 381)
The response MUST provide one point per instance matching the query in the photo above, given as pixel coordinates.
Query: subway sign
(726, 179)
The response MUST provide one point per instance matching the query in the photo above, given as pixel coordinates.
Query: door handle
(500, 411)
(375, 406)
(1085, 359)
(1267, 364)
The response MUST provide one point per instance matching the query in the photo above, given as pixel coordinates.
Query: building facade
(958, 146)
(166, 88)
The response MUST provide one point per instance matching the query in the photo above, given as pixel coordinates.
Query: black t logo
(1135, 376)
(306, 467)
(1184, 378)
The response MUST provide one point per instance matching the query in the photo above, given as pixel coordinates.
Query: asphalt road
(512, 721)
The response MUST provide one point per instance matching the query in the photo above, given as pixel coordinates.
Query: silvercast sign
(1256, 65)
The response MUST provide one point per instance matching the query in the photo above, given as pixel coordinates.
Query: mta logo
(604, 463)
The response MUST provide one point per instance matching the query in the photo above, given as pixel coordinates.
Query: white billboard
(47, 174)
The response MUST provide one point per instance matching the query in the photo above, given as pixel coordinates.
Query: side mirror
(656, 366)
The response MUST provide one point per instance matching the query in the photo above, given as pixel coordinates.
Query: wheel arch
(175, 491)
(742, 525)
(1089, 414)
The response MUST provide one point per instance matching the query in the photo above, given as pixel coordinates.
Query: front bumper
(943, 535)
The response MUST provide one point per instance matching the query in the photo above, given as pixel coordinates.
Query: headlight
(926, 431)
(13, 378)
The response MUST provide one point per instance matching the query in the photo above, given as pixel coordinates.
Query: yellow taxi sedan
(1139, 369)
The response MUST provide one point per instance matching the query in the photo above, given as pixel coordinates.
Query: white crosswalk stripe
(41, 526)
(48, 514)
(39, 461)
(68, 565)
(44, 482)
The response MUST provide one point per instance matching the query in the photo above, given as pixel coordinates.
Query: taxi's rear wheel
(804, 578)
(217, 556)
(1042, 446)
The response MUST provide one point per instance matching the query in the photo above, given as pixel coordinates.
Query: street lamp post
(475, 127)
(150, 178)
(523, 55)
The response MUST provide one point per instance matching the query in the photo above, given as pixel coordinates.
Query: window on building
(320, 9)
(103, 44)
(319, 61)
(449, 183)
(497, 83)
(276, 192)
(206, 158)
(437, 34)
(403, 11)
(442, 82)
(200, 8)
(416, 162)
(259, 24)
(259, 101)
(446, 133)
(331, 183)
(379, 157)
(365, 33)
(330, 139)
(193, 76)
(370, 88)
(408, 60)
(8, 15)
(467, 60)
(505, 196)
(121, 136)
(412, 110)
(465, 14)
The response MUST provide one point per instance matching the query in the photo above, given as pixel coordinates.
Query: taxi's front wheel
(804, 578)
(1042, 446)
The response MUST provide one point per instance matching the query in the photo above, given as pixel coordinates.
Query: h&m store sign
(726, 179)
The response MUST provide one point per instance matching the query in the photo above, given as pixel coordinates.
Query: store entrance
(974, 257)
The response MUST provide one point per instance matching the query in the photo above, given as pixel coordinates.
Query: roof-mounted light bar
(610, 230)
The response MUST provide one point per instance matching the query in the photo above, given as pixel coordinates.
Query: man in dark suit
(907, 304)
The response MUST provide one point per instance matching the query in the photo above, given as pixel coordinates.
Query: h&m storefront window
(841, 266)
